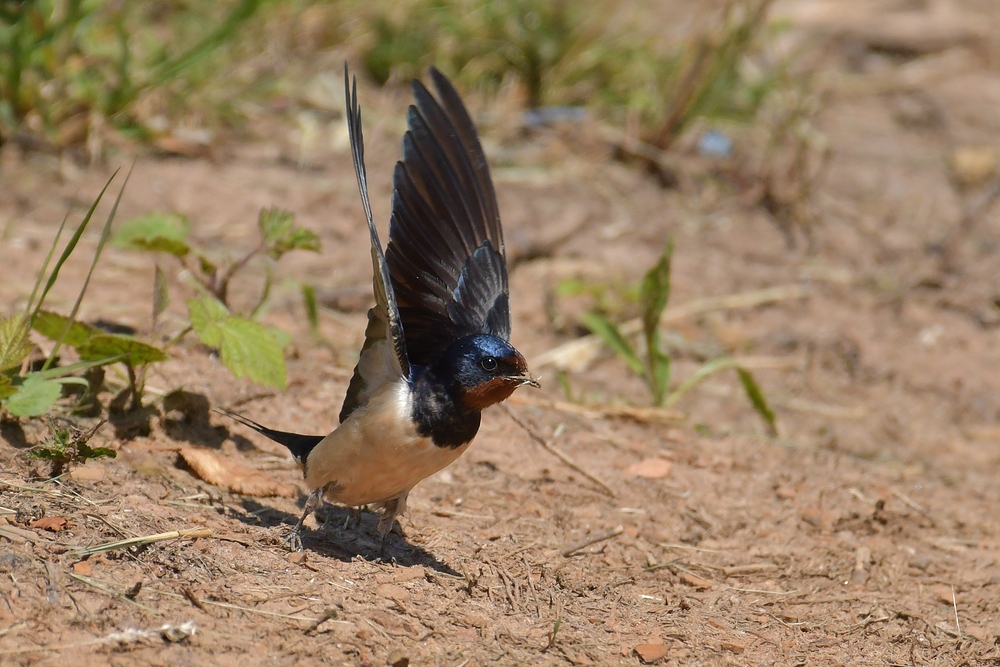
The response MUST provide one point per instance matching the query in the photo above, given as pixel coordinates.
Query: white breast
(376, 454)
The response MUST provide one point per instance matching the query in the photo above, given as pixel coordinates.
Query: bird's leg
(353, 514)
(294, 539)
(392, 509)
(385, 524)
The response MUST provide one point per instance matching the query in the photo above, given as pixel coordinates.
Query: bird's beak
(527, 379)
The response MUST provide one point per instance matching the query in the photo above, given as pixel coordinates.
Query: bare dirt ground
(866, 533)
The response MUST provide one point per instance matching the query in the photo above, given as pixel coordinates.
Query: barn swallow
(436, 350)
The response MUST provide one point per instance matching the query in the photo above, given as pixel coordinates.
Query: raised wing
(383, 356)
(446, 252)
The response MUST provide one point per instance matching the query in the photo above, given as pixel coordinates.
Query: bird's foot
(293, 541)
(353, 516)
(383, 553)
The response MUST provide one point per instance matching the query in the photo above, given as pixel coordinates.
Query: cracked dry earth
(866, 533)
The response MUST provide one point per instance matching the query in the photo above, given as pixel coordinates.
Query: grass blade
(70, 246)
(312, 308)
(654, 293)
(170, 69)
(707, 369)
(161, 294)
(45, 267)
(614, 339)
(757, 399)
(659, 378)
(105, 233)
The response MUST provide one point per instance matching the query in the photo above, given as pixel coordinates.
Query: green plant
(28, 393)
(246, 347)
(66, 446)
(580, 53)
(654, 365)
(66, 65)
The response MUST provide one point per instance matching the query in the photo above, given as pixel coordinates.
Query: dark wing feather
(446, 251)
(384, 322)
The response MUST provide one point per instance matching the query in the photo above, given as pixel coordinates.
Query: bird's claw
(293, 541)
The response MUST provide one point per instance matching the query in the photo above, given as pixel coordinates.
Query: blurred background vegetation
(85, 73)
(85, 78)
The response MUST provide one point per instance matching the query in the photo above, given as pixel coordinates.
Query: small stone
(973, 165)
(733, 647)
(398, 659)
(650, 653)
(392, 592)
(695, 580)
(651, 469)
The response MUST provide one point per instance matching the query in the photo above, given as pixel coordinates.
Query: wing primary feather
(451, 158)
(384, 296)
(454, 109)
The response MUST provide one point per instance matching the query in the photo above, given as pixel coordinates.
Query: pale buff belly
(376, 454)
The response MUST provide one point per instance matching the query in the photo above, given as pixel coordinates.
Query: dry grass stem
(638, 414)
(188, 534)
(593, 539)
(552, 449)
(107, 590)
(249, 610)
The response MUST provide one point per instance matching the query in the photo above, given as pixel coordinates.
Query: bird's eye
(489, 364)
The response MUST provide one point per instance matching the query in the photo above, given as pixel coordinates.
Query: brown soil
(867, 533)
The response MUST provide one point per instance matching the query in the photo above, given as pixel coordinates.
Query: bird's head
(485, 370)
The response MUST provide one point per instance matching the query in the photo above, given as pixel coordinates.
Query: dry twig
(552, 449)
(593, 539)
(189, 534)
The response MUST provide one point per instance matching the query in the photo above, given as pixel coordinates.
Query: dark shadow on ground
(333, 540)
(12, 433)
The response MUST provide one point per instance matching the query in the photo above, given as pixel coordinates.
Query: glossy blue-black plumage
(442, 405)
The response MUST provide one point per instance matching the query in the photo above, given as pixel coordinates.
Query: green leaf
(85, 452)
(6, 388)
(757, 399)
(14, 342)
(699, 376)
(206, 265)
(55, 326)
(570, 287)
(280, 234)
(280, 336)
(157, 232)
(654, 293)
(612, 337)
(206, 313)
(34, 396)
(161, 293)
(133, 352)
(247, 349)
(63, 371)
(250, 350)
(303, 239)
(275, 224)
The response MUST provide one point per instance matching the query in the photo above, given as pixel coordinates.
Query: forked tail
(299, 445)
